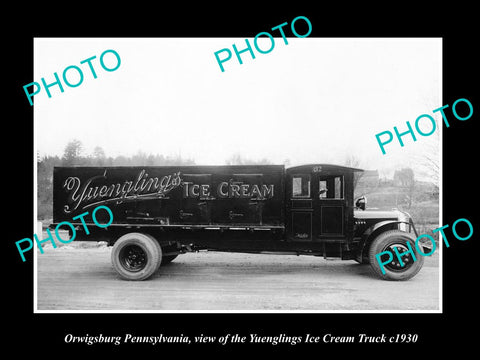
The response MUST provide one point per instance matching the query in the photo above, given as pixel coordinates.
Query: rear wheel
(136, 256)
(405, 269)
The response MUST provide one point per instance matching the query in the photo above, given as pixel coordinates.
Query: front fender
(372, 232)
(372, 229)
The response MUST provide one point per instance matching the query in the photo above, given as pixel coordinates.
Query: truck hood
(377, 214)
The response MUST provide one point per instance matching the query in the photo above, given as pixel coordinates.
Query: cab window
(330, 187)
(301, 186)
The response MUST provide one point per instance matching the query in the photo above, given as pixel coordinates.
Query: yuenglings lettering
(86, 194)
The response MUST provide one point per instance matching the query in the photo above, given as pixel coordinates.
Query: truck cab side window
(301, 186)
(339, 187)
(322, 189)
(330, 187)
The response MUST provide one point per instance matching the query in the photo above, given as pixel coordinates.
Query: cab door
(329, 203)
(300, 206)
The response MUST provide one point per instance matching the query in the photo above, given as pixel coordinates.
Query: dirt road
(79, 276)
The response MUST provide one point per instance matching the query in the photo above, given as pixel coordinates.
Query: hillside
(420, 199)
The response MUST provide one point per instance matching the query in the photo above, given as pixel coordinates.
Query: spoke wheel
(397, 269)
(133, 258)
(396, 264)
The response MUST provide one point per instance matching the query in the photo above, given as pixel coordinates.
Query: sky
(315, 100)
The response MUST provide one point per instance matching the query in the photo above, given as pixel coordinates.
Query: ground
(79, 276)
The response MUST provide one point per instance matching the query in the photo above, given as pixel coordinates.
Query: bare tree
(428, 161)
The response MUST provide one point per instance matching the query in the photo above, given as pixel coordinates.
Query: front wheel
(405, 269)
(136, 256)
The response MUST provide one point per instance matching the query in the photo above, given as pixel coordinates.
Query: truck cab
(319, 203)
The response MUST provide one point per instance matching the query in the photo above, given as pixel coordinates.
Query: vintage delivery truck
(163, 211)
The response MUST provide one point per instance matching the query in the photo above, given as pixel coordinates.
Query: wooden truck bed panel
(173, 195)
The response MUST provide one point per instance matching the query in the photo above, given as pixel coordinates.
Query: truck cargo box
(173, 195)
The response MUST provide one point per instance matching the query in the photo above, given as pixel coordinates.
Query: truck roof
(322, 167)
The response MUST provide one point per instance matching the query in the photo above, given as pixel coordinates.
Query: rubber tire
(168, 259)
(149, 245)
(389, 238)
